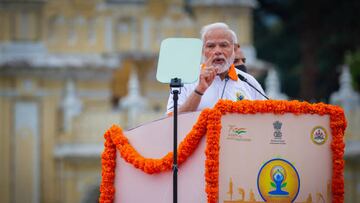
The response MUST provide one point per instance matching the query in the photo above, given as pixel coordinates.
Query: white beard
(227, 64)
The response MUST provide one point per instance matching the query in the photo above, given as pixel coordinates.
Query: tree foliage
(307, 41)
(353, 59)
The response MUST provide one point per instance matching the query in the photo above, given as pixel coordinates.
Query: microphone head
(242, 78)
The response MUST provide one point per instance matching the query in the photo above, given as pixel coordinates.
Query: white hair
(219, 25)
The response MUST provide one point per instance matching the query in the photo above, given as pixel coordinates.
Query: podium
(246, 151)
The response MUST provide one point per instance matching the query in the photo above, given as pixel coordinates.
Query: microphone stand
(175, 86)
(241, 77)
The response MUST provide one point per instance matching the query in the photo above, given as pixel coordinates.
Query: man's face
(219, 48)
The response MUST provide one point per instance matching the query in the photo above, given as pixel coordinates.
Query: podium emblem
(278, 181)
(319, 135)
(277, 127)
(277, 135)
(237, 133)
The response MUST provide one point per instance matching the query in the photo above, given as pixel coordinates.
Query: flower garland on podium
(209, 124)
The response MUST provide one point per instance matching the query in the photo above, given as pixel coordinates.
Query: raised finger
(208, 62)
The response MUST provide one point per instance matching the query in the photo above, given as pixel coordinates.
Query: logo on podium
(319, 135)
(278, 181)
(277, 139)
(238, 134)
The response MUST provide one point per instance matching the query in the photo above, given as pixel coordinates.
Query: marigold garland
(209, 124)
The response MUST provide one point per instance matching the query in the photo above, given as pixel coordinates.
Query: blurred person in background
(240, 59)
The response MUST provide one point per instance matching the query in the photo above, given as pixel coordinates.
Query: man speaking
(218, 78)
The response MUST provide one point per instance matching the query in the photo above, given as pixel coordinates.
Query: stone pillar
(133, 102)
(71, 105)
(346, 96)
(272, 86)
(108, 36)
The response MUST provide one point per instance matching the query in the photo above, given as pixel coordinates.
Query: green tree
(353, 59)
(307, 40)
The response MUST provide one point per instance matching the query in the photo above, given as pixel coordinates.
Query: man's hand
(207, 76)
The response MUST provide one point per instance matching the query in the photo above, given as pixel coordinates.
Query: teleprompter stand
(187, 54)
(175, 86)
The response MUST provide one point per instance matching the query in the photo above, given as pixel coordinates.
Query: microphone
(242, 78)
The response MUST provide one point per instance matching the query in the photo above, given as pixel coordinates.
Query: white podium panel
(155, 140)
(275, 158)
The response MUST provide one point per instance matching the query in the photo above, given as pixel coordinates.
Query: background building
(71, 68)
